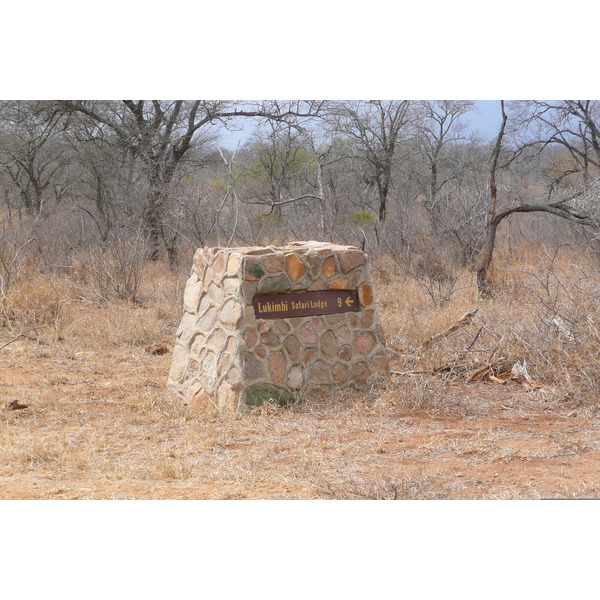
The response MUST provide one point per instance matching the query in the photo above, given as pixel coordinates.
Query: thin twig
(24, 335)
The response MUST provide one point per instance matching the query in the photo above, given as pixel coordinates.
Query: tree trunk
(492, 223)
(153, 224)
(382, 189)
(486, 261)
(104, 224)
(154, 214)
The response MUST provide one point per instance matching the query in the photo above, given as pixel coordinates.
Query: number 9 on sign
(339, 302)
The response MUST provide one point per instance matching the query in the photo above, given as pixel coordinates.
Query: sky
(486, 119)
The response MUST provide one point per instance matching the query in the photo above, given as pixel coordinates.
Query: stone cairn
(229, 357)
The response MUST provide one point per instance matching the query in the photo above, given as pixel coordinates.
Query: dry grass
(101, 424)
(544, 310)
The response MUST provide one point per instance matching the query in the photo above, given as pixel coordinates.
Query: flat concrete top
(299, 246)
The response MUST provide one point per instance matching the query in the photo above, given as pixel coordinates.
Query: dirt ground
(100, 425)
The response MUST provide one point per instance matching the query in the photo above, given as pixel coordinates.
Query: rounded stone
(233, 377)
(273, 263)
(205, 304)
(178, 363)
(276, 365)
(263, 326)
(297, 322)
(219, 267)
(343, 335)
(308, 333)
(349, 260)
(186, 327)
(353, 319)
(338, 284)
(248, 289)
(380, 365)
(319, 372)
(269, 339)
(222, 364)
(215, 293)
(314, 260)
(261, 351)
(292, 347)
(357, 278)
(231, 313)
(309, 355)
(208, 275)
(365, 294)
(328, 269)
(346, 353)
(217, 340)
(319, 325)
(367, 319)
(363, 343)
(199, 400)
(198, 348)
(334, 319)
(230, 286)
(191, 295)
(295, 378)
(252, 367)
(226, 396)
(231, 344)
(328, 345)
(209, 371)
(317, 286)
(233, 264)
(253, 271)
(281, 327)
(360, 374)
(294, 267)
(340, 374)
(193, 369)
(250, 316)
(251, 337)
(206, 322)
(273, 285)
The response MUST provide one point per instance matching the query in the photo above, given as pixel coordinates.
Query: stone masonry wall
(227, 358)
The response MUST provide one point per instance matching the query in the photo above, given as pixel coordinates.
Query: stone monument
(280, 324)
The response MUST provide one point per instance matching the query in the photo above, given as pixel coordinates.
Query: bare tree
(440, 128)
(376, 127)
(275, 168)
(561, 208)
(327, 153)
(573, 125)
(33, 153)
(161, 134)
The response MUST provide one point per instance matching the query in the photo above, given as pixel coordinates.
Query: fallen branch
(464, 320)
(484, 370)
(11, 341)
(23, 335)
(404, 373)
(456, 364)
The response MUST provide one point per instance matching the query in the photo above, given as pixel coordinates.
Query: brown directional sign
(302, 304)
